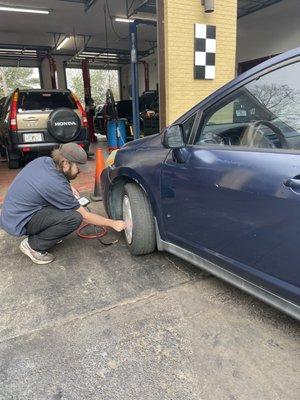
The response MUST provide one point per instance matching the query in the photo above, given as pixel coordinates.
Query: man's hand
(98, 220)
(75, 192)
(118, 225)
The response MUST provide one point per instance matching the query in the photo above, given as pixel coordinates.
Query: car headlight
(111, 158)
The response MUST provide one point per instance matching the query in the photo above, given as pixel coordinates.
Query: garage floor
(98, 324)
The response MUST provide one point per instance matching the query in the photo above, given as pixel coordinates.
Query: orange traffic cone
(100, 165)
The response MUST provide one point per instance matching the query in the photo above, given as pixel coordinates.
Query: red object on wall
(88, 98)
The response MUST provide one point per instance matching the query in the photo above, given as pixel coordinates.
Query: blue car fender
(153, 195)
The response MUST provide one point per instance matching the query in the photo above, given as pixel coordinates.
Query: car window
(42, 101)
(188, 125)
(264, 113)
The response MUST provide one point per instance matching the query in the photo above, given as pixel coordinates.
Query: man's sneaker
(35, 256)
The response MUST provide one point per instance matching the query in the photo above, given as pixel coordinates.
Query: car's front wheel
(140, 231)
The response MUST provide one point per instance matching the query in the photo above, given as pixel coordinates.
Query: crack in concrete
(176, 266)
(128, 302)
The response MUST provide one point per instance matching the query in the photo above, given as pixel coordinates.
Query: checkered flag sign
(205, 51)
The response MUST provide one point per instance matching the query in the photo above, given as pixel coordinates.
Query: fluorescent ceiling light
(18, 51)
(89, 53)
(61, 45)
(23, 10)
(109, 55)
(14, 50)
(128, 21)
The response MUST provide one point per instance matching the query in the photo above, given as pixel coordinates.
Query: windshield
(37, 101)
(266, 105)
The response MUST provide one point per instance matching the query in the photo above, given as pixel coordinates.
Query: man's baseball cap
(73, 153)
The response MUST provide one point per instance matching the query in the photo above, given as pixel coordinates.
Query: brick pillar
(179, 90)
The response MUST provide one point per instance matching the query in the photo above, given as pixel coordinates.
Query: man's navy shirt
(38, 185)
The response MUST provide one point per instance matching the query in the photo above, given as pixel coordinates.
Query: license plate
(33, 137)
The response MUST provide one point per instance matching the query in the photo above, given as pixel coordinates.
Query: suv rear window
(44, 101)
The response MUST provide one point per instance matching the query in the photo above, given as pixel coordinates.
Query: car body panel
(227, 206)
(282, 304)
(234, 212)
(36, 120)
(147, 175)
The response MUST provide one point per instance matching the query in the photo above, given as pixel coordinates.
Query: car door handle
(293, 183)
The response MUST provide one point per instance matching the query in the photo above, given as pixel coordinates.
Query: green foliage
(101, 80)
(12, 78)
(26, 78)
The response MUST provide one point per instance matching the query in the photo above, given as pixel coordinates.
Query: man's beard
(68, 174)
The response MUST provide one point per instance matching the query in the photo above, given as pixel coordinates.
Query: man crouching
(41, 204)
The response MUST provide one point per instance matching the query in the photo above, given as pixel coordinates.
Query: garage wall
(273, 30)
(182, 91)
(153, 77)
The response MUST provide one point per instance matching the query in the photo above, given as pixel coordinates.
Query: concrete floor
(99, 324)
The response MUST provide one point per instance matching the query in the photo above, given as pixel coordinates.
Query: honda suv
(34, 121)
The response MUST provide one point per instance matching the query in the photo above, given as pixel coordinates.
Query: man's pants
(49, 225)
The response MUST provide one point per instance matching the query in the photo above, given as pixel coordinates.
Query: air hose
(100, 231)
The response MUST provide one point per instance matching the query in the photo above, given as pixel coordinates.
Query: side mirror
(174, 137)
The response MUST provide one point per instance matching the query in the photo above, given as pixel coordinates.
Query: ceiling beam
(251, 6)
(87, 3)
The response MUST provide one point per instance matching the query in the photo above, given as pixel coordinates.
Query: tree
(278, 98)
(101, 80)
(12, 78)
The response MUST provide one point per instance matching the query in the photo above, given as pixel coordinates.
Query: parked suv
(34, 121)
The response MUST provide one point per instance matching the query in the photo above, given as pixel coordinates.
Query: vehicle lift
(88, 98)
(134, 73)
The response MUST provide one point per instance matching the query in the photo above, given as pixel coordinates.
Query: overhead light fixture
(18, 50)
(24, 10)
(89, 53)
(63, 43)
(127, 20)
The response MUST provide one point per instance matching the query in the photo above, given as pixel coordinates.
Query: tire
(64, 125)
(143, 238)
(13, 162)
(2, 151)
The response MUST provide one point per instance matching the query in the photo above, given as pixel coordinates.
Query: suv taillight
(13, 112)
(82, 111)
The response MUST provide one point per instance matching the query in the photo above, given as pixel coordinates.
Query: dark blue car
(220, 187)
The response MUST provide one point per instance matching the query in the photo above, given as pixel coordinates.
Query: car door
(233, 196)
